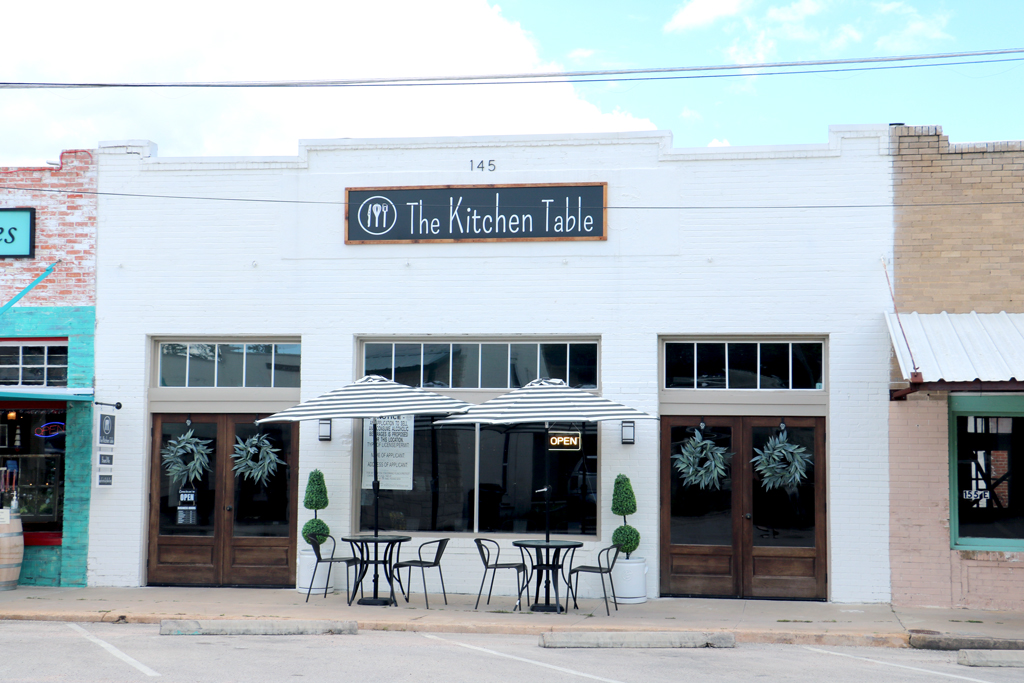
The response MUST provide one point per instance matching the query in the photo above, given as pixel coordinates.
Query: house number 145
(479, 165)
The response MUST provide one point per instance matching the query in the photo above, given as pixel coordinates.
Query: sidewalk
(752, 621)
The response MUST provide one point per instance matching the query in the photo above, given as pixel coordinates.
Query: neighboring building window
(988, 452)
(32, 452)
(744, 365)
(512, 469)
(487, 365)
(34, 365)
(207, 364)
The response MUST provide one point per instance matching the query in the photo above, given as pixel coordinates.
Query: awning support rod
(25, 291)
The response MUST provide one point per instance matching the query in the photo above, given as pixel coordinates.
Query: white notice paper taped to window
(394, 452)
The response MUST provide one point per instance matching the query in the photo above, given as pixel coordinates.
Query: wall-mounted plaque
(476, 213)
(17, 233)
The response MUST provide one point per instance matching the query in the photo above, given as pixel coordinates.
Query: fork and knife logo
(377, 215)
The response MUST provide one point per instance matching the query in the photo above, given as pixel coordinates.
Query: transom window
(34, 365)
(743, 365)
(486, 365)
(205, 364)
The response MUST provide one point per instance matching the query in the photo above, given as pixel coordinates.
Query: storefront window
(989, 503)
(34, 365)
(744, 365)
(226, 365)
(441, 497)
(513, 466)
(482, 365)
(32, 442)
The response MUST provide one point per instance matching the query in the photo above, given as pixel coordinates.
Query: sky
(217, 40)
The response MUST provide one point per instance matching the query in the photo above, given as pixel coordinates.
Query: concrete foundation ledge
(945, 641)
(638, 639)
(255, 627)
(990, 658)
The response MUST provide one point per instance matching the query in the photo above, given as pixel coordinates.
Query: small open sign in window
(564, 441)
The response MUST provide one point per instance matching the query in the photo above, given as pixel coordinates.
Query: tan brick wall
(959, 236)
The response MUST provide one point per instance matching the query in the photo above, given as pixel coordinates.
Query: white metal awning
(961, 347)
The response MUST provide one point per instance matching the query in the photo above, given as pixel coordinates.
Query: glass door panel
(783, 497)
(262, 509)
(187, 508)
(701, 515)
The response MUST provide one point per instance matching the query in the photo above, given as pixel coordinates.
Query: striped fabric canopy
(372, 396)
(545, 400)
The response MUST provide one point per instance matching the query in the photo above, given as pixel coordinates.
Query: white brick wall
(193, 267)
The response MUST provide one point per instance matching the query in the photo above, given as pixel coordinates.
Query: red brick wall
(65, 230)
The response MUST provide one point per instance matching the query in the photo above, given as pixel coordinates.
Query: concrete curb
(638, 639)
(990, 658)
(945, 641)
(255, 627)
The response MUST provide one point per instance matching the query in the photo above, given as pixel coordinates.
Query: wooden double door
(744, 533)
(222, 529)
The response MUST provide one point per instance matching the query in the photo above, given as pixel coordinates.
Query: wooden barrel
(12, 549)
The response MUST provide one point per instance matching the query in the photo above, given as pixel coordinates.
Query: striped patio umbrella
(545, 400)
(371, 397)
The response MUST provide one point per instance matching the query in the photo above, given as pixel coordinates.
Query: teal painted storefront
(66, 564)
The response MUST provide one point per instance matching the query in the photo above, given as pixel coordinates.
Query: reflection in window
(744, 365)
(33, 365)
(701, 516)
(32, 445)
(488, 365)
(990, 451)
(441, 498)
(229, 365)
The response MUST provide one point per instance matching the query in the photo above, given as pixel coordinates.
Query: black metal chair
(423, 564)
(329, 561)
(484, 545)
(605, 562)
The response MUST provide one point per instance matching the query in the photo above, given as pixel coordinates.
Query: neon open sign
(564, 441)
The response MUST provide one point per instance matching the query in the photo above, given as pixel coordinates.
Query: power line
(677, 207)
(654, 73)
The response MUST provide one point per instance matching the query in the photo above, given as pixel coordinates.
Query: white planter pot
(307, 560)
(630, 578)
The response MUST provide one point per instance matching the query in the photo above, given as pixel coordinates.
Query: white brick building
(767, 250)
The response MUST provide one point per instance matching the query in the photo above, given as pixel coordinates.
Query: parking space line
(898, 666)
(522, 659)
(114, 651)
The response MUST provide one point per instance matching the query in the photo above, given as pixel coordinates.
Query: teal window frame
(979, 406)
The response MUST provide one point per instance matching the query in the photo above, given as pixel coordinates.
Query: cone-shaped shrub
(623, 500)
(316, 492)
(624, 503)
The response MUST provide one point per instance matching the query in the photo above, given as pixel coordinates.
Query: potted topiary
(314, 529)
(629, 573)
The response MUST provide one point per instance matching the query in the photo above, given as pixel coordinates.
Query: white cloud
(697, 13)
(918, 33)
(756, 52)
(580, 53)
(719, 143)
(690, 115)
(260, 40)
(798, 11)
(847, 34)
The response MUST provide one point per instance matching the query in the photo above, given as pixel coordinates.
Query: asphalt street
(115, 653)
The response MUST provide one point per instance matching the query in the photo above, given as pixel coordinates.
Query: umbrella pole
(547, 484)
(376, 510)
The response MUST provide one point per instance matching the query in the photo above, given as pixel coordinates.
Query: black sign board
(106, 458)
(564, 441)
(106, 480)
(476, 213)
(107, 425)
(187, 507)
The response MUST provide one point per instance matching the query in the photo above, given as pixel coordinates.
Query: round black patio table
(549, 561)
(361, 546)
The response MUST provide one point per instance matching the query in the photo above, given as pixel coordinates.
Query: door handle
(229, 509)
(746, 515)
